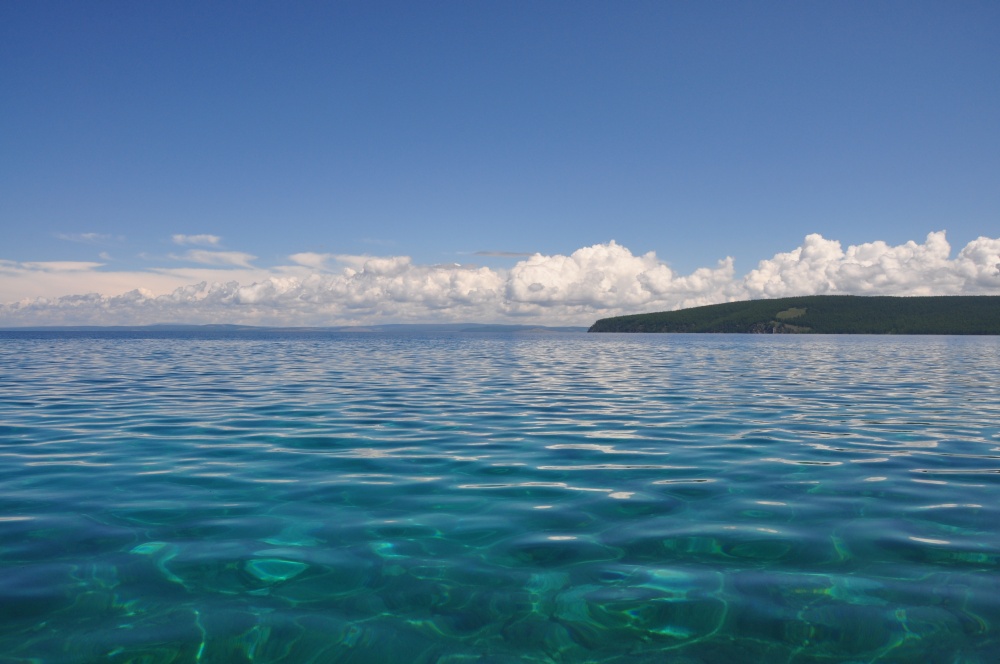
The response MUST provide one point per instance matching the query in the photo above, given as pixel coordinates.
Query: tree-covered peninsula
(825, 314)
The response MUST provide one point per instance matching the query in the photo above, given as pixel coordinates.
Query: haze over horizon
(551, 163)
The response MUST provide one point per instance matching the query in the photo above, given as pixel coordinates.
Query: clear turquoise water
(488, 498)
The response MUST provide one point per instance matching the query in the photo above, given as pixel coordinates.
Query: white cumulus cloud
(589, 283)
(822, 266)
(608, 277)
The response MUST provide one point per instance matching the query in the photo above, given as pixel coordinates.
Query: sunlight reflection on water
(459, 498)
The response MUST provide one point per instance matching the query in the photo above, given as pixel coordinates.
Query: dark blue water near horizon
(459, 498)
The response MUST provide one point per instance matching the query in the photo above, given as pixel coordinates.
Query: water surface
(462, 498)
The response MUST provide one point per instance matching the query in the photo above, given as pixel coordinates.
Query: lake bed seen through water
(335, 497)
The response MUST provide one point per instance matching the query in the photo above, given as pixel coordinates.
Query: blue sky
(461, 132)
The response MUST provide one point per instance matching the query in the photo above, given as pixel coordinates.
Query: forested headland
(825, 314)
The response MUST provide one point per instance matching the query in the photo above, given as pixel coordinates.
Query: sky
(547, 162)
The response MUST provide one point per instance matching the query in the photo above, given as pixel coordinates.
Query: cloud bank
(590, 283)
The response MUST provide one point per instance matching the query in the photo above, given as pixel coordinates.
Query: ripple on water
(457, 498)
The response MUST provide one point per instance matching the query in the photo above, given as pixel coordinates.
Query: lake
(470, 498)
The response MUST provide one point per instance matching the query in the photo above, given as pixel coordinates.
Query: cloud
(206, 257)
(60, 266)
(821, 266)
(203, 240)
(608, 277)
(591, 282)
(310, 259)
(44, 282)
(87, 238)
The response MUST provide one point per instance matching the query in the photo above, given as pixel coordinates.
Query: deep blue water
(498, 498)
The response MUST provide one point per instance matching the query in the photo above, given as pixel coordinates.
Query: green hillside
(825, 314)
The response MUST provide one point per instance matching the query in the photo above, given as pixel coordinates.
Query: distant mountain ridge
(824, 314)
(225, 327)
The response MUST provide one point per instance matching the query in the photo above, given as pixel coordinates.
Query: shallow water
(498, 498)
